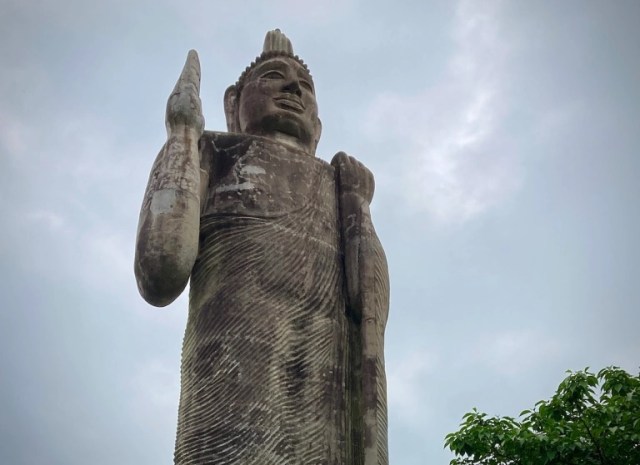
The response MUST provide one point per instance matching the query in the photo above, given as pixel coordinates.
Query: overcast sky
(505, 141)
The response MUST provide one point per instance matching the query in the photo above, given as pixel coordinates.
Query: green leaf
(590, 417)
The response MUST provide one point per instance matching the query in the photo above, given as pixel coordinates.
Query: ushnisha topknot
(275, 44)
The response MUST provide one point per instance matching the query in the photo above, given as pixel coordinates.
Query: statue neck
(290, 141)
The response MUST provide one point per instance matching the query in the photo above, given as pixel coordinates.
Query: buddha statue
(283, 354)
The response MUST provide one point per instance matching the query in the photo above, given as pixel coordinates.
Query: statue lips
(290, 103)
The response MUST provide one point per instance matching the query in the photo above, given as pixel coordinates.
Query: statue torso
(255, 175)
(264, 354)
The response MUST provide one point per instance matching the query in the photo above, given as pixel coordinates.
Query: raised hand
(168, 229)
(184, 107)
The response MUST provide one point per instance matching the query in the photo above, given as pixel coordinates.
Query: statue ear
(231, 101)
(316, 136)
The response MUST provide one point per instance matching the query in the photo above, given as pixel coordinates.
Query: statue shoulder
(219, 151)
(223, 140)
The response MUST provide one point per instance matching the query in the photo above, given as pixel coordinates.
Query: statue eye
(307, 85)
(272, 75)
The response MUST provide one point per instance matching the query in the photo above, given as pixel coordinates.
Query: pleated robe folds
(269, 370)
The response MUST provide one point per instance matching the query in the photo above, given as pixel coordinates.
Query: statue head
(275, 97)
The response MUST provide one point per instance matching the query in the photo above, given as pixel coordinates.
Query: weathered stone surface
(283, 357)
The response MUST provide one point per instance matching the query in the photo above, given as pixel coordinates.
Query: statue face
(278, 99)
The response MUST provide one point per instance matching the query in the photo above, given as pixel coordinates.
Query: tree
(591, 419)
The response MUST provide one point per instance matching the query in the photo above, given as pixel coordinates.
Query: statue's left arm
(367, 286)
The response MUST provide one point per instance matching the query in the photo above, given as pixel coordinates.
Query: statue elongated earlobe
(318, 133)
(231, 101)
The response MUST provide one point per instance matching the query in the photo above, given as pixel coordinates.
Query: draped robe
(271, 360)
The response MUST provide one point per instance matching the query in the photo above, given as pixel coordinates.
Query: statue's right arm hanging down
(367, 283)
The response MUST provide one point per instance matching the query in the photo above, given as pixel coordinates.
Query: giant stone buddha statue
(283, 357)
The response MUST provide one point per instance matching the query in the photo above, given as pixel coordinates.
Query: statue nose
(293, 87)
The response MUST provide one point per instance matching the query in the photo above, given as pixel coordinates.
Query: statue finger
(339, 160)
(371, 184)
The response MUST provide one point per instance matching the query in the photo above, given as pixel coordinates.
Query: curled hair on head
(276, 44)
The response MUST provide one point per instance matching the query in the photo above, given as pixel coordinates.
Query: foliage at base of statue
(591, 419)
